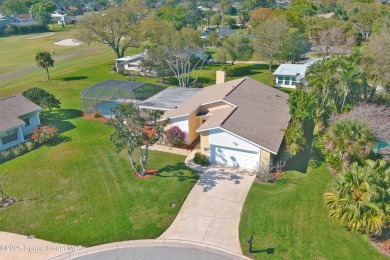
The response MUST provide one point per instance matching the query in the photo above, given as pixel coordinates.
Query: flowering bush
(43, 134)
(175, 136)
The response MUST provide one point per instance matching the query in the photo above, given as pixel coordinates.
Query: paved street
(161, 253)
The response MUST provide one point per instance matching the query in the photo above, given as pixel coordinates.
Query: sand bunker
(69, 42)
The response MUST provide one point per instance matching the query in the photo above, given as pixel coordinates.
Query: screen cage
(108, 94)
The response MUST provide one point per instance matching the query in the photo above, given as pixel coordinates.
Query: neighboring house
(58, 17)
(239, 123)
(22, 19)
(288, 75)
(18, 118)
(224, 31)
(131, 63)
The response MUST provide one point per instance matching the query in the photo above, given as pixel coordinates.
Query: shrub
(201, 159)
(19, 149)
(13, 152)
(30, 146)
(175, 136)
(43, 134)
(25, 29)
(6, 155)
(97, 114)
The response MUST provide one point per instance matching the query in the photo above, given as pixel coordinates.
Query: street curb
(150, 243)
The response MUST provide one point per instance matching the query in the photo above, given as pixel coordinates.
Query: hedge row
(26, 29)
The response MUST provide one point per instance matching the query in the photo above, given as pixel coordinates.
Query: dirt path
(59, 58)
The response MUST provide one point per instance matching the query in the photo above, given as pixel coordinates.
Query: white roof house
(288, 75)
(132, 62)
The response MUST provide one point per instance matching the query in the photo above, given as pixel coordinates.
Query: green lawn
(288, 221)
(78, 190)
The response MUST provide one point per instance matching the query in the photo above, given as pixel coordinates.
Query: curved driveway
(211, 213)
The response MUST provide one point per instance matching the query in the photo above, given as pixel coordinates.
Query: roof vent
(276, 95)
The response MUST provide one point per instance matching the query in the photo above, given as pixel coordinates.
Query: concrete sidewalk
(168, 149)
(211, 213)
(15, 247)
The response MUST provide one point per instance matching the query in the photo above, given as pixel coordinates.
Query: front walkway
(168, 149)
(211, 213)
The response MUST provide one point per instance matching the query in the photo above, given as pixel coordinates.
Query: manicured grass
(289, 221)
(78, 190)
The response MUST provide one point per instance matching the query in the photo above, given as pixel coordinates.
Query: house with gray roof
(18, 118)
(239, 123)
(289, 75)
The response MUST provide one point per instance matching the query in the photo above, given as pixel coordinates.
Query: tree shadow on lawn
(301, 160)
(74, 78)
(61, 114)
(177, 171)
(57, 118)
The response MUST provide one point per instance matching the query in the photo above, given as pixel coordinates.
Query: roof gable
(13, 107)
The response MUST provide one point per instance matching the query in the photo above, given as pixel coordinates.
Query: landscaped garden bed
(382, 241)
(148, 174)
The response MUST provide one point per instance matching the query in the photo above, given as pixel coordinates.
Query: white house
(131, 63)
(288, 75)
(238, 123)
(18, 118)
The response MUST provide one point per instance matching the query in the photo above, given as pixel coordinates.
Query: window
(9, 136)
(27, 121)
(280, 80)
(294, 81)
(287, 81)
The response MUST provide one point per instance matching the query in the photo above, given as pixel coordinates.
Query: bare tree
(375, 116)
(376, 60)
(333, 40)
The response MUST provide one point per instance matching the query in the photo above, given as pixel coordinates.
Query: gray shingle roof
(11, 108)
(261, 115)
(207, 95)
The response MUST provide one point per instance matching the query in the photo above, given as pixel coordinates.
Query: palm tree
(360, 197)
(350, 77)
(44, 61)
(346, 141)
(295, 140)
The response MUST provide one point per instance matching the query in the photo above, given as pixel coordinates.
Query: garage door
(233, 157)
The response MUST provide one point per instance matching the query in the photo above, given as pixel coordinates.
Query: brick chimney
(221, 76)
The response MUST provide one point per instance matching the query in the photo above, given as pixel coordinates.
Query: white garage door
(233, 157)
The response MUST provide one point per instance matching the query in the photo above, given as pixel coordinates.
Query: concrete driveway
(211, 213)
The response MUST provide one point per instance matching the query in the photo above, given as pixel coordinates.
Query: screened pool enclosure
(108, 94)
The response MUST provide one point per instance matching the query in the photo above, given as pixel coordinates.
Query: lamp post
(250, 240)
